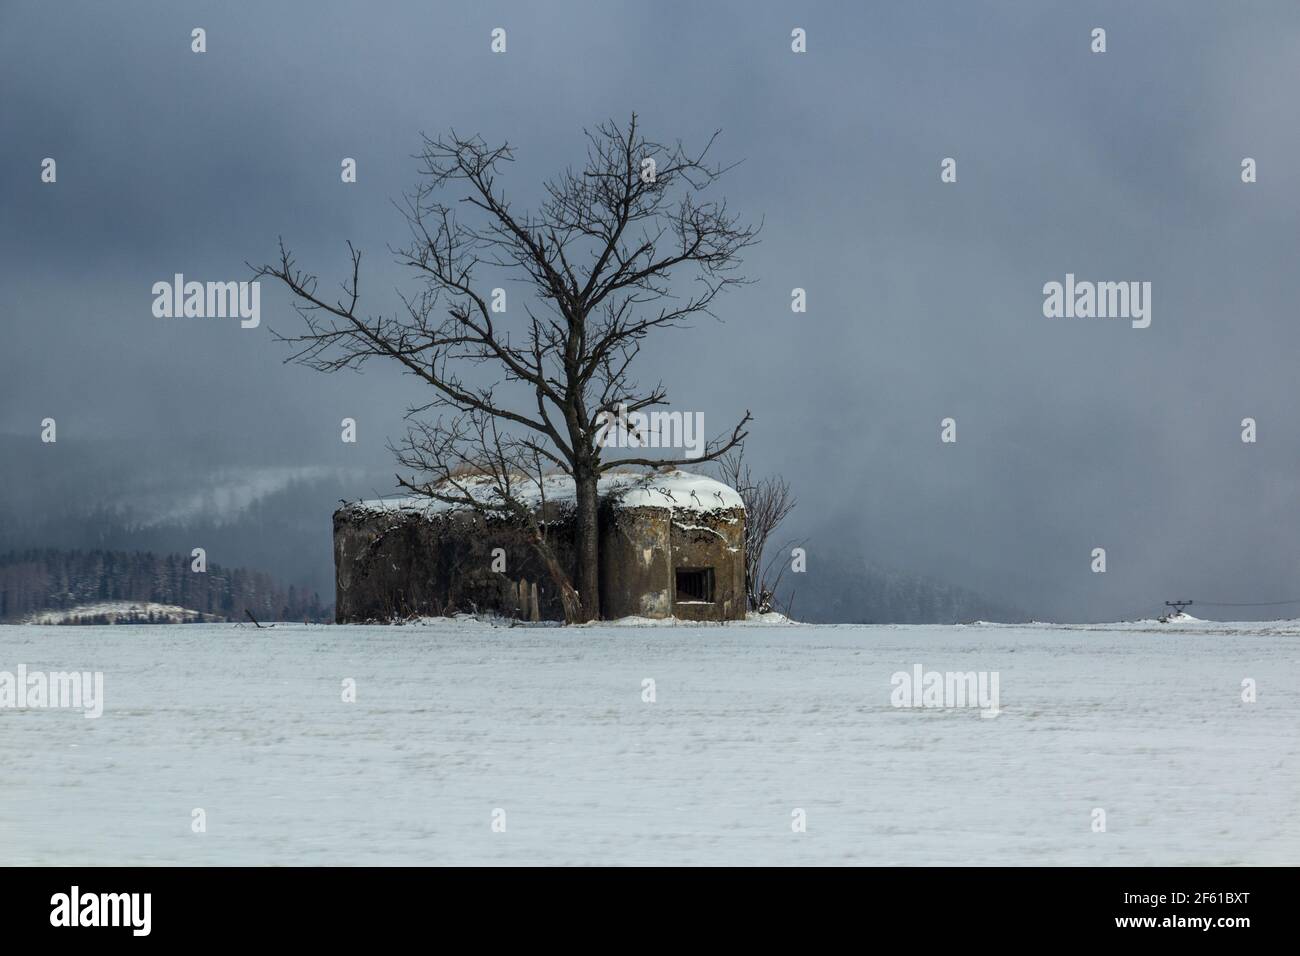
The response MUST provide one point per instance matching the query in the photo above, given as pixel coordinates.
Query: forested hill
(50, 580)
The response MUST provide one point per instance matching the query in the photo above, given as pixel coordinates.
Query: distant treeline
(848, 589)
(52, 580)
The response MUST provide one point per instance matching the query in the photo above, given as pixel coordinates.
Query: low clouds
(924, 298)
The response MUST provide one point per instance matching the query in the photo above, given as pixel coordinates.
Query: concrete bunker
(671, 544)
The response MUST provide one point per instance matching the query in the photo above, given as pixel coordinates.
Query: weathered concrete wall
(641, 548)
(394, 564)
(715, 539)
(636, 573)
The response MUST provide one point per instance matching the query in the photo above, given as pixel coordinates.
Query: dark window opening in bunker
(695, 585)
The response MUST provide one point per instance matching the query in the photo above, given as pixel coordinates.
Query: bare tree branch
(768, 502)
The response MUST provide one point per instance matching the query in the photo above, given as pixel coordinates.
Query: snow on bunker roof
(674, 490)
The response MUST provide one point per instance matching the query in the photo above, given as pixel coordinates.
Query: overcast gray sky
(924, 299)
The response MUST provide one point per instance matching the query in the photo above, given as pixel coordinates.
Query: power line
(1246, 603)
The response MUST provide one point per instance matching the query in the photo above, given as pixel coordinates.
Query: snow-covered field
(456, 720)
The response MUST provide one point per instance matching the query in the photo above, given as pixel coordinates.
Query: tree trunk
(588, 545)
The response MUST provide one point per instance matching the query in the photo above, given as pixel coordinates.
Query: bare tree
(625, 246)
(767, 503)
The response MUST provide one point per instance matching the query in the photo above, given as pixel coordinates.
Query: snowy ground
(456, 719)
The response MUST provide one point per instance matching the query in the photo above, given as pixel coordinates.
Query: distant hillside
(850, 589)
(137, 587)
(120, 612)
(96, 494)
